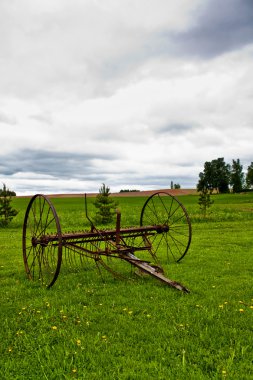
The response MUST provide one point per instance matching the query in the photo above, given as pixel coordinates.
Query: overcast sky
(132, 93)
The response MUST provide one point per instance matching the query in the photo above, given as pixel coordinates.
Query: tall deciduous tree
(216, 176)
(237, 176)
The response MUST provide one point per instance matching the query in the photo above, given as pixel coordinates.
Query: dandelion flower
(221, 306)
(251, 307)
(241, 310)
(74, 370)
(78, 342)
(130, 312)
(54, 327)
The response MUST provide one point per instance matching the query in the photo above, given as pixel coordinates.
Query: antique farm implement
(164, 235)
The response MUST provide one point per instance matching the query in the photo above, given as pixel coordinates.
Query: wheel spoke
(42, 261)
(165, 210)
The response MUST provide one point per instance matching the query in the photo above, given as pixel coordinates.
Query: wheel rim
(164, 209)
(42, 261)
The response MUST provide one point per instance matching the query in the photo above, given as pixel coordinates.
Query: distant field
(174, 192)
(90, 325)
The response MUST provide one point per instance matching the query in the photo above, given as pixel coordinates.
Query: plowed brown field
(147, 193)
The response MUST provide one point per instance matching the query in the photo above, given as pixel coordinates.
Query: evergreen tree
(205, 201)
(222, 175)
(249, 176)
(7, 213)
(105, 205)
(237, 176)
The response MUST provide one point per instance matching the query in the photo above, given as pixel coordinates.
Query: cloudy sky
(132, 93)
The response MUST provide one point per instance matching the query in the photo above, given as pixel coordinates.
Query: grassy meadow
(89, 326)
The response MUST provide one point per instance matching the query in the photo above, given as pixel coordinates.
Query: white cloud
(52, 48)
(95, 81)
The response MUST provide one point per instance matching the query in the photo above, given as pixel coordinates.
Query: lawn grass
(87, 328)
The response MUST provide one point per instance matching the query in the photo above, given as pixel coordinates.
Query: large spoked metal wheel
(173, 239)
(42, 255)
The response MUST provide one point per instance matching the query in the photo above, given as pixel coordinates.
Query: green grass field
(86, 327)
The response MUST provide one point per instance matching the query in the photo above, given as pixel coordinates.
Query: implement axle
(102, 235)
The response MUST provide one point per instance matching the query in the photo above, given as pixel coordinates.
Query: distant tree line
(222, 177)
(174, 185)
(128, 191)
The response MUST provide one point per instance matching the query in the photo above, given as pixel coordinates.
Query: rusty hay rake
(164, 235)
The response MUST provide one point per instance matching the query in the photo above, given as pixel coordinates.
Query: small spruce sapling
(205, 201)
(105, 205)
(7, 213)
